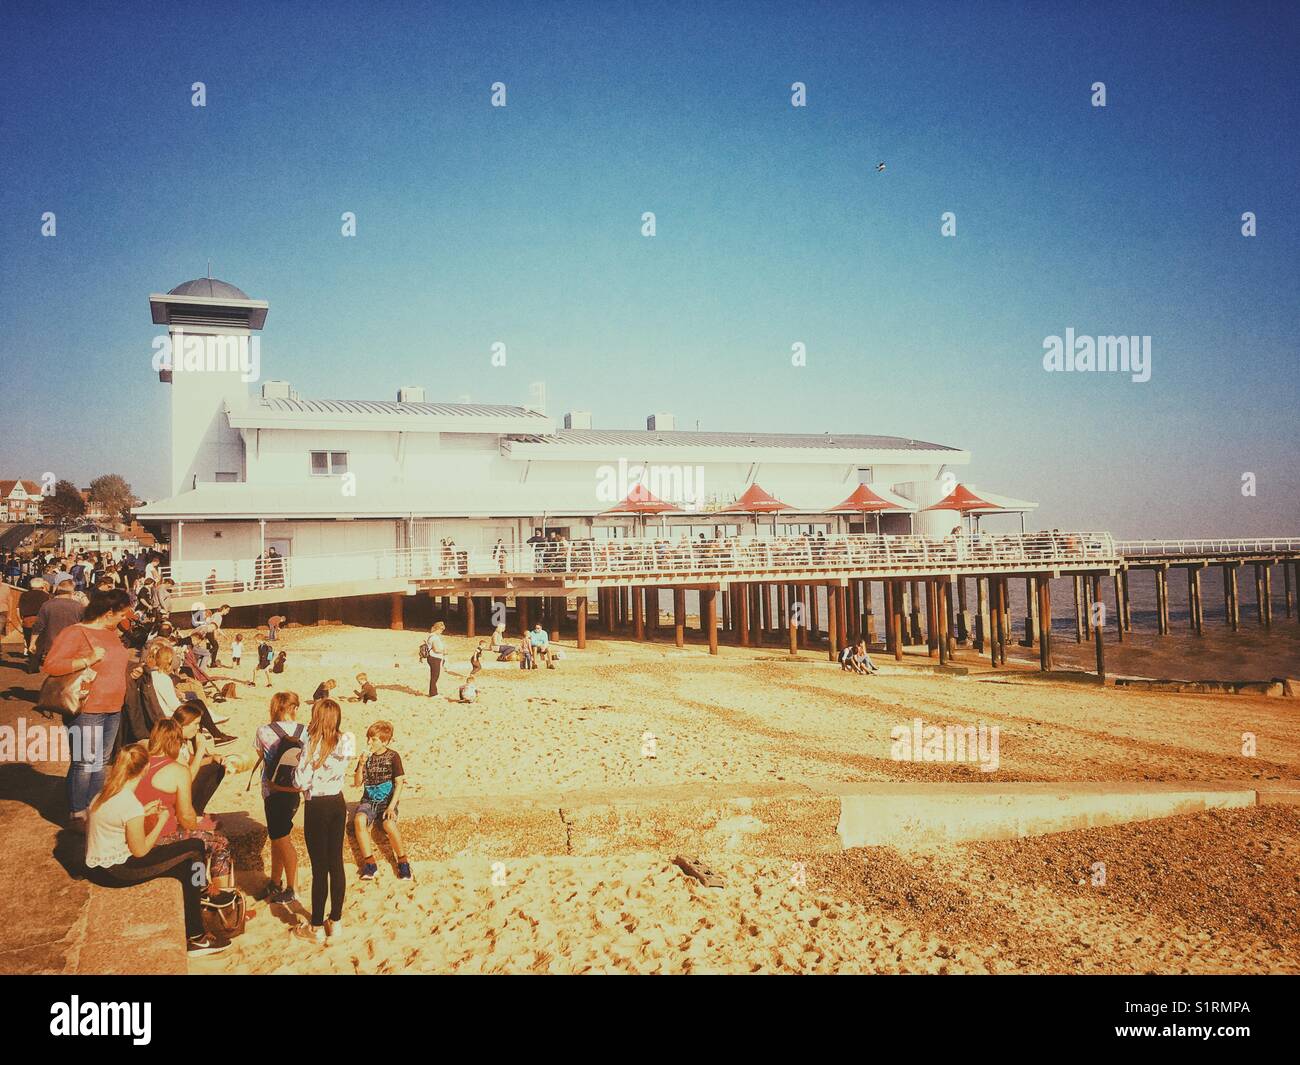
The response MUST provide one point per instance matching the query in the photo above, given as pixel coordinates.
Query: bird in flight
(880, 168)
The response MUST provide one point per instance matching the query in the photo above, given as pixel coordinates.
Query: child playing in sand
(280, 660)
(365, 690)
(237, 649)
(469, 690)
(382, 776)
(323, 689)
(264, 652)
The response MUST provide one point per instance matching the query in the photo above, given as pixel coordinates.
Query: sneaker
(268, 892)
(403, 870)
(333, 928)
(369, 871)
(286, 897)
(310, 933)
(197, 946)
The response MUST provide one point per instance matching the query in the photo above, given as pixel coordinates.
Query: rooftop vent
(578, 419)
(660, 422)
(410, 394)
(276, 390)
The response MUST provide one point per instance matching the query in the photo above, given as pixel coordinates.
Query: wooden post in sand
(1229, 582)
(1095, 618)
(1031, 611)
(1162, 601)
(1259, 593)
(1119, 609)
(1268, 595)
(998, 594)
(832, 621)
(940, 585)
(888, 588)
(1286, 581)
(395, 611)
(793, 625)
(1045, 623)
(467, 605)
(1078, 608)
(870, 620)
(741, 613)
(842, 591)
(521, 612)
(638, 615)
(931, 619)
(1194, 596)
(709, 615)
(679, 616)
(796, 610)
(582, 621)
(896, 619)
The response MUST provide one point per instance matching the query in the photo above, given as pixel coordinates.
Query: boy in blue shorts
(381, 776)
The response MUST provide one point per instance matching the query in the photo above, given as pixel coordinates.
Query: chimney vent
(578, 419)
(661, 421)
(410, 394)
(276, 390)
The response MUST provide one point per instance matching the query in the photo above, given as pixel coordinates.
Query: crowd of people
(148, 752)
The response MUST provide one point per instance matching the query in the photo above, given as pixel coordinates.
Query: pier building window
(329, 463)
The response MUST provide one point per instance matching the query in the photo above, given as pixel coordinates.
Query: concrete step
(780, 820)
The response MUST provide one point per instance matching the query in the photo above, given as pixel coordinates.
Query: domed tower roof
(210, 287)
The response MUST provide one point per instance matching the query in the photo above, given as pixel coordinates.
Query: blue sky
(523, 225)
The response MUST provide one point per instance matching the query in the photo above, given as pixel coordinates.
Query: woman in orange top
(170, 783)
(92, 643)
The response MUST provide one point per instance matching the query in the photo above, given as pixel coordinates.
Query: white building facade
(253, 466)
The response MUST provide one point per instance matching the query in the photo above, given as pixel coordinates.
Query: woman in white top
(121, 838)
(435, 650)
(322, 768)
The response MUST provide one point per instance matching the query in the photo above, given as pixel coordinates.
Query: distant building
(20, 502)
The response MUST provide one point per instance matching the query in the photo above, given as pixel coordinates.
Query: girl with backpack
(279, 746)
(320, 774)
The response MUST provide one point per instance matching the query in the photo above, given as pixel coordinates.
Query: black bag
(224, 914)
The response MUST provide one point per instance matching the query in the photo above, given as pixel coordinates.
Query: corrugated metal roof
(632, 438)
(414, 410)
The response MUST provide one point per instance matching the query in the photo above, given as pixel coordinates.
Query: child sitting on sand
(323, 689)
(382, 776)
(280, 660)
(469, 690)
(365, 690)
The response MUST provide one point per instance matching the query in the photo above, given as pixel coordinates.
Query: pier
(798, 592)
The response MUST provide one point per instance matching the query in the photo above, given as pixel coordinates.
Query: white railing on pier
(649, 557)
(1209, 548)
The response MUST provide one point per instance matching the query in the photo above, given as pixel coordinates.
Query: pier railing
(1280, 545)
(648, 557)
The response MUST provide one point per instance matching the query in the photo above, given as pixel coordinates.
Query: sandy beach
(1212, 892)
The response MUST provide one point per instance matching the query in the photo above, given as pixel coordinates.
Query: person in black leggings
(324, 824)
(327, 756)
